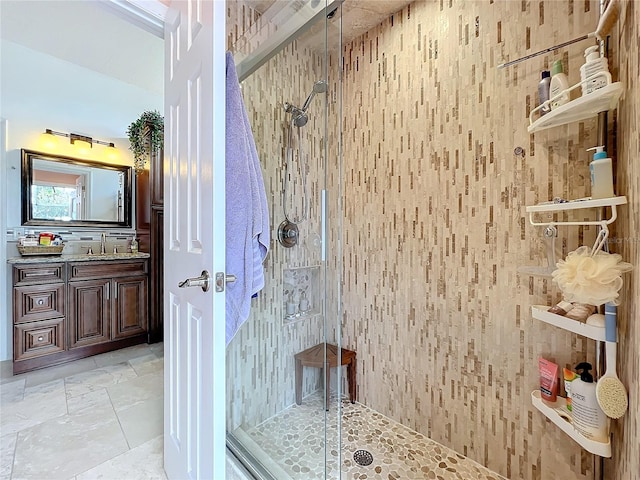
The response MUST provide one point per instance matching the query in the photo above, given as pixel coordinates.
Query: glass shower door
(280, 421)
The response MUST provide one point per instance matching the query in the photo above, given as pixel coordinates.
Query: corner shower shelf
(557, 412)
(539, 312)
(588, 202)
(586, 106)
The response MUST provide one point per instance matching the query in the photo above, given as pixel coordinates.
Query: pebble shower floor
(294, 440)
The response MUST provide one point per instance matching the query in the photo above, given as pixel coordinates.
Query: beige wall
(435, 202)
(626, 432)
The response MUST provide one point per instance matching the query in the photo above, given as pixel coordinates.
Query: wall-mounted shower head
(299, 116)
(319, 87)
(301, 119)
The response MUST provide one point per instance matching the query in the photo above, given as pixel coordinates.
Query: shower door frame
(330, 255)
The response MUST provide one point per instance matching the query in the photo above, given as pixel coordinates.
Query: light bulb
(48, 140)
(82, 146)
(111, 152)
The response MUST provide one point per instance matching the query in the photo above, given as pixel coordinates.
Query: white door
(194, 333)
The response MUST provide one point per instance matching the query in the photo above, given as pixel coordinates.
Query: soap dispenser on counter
(601, 169)
(134, 245)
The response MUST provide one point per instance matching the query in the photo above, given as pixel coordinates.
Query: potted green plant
(140, 146)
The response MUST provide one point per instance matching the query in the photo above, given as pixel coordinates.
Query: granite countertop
(76, 258)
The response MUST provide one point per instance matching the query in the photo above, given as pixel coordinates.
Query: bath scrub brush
(610, 391)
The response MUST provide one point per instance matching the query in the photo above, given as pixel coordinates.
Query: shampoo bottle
(594, 64)
(601, 169)
(559, 82)
(543, 91)
(588, 418)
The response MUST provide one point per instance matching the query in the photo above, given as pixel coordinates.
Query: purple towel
(247, 222)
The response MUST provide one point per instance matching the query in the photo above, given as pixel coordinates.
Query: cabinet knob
(40, 338)
(41, 302)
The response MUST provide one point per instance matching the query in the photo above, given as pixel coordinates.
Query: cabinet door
(130, 307)
(156, 305)
(90, 310)
(157, 177)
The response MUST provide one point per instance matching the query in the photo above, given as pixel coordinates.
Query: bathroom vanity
(74, 306)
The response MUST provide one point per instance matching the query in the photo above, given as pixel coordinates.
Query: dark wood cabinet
(89, 313)
(66, 311)
(130, 307)
(149, 229)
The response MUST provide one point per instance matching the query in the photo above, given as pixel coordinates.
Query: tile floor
(95, 418)
(101, 418)
(294, 440)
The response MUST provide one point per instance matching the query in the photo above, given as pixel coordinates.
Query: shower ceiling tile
(358, 16)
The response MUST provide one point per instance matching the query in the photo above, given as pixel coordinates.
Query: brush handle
(610, 325)
(611, 351)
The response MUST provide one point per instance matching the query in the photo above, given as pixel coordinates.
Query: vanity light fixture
(82, 142)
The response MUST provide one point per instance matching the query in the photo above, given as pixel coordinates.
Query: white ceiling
(87, 34)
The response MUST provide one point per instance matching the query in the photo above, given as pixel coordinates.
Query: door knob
(202, 281)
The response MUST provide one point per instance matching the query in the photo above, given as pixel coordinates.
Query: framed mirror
(71, 192)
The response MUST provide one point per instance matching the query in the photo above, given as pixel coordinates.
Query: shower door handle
(202, 281)
(222, 280)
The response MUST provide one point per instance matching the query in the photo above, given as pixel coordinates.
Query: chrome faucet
(103, 244)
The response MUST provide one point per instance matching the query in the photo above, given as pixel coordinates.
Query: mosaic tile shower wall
(436, 188)
(260, 363)
(626, 432)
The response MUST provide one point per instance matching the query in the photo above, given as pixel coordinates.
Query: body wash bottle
(559, 82)
(601, 169)
(543, 91)
(594, 64)
(588, 417)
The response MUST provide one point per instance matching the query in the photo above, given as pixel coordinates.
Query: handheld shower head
(319, 87)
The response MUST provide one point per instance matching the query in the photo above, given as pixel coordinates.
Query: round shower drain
(363, 457)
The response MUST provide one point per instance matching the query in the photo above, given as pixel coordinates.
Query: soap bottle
(601, 169)
(304, 303)
(594, 63)
(543, 91)
(559, 82)
(588, 417)
(291, 306)
(134, 245)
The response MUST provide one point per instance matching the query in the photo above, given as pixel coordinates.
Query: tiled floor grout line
(118, 419)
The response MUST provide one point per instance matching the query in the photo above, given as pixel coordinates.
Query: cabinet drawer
(38, 302)
(38, 338)
(89, 270)
(29, 274)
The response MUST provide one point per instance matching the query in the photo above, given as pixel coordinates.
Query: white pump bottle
(601, 169)
(588, 417)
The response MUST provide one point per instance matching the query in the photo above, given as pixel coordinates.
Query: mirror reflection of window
(55, 195)
(55, 202)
